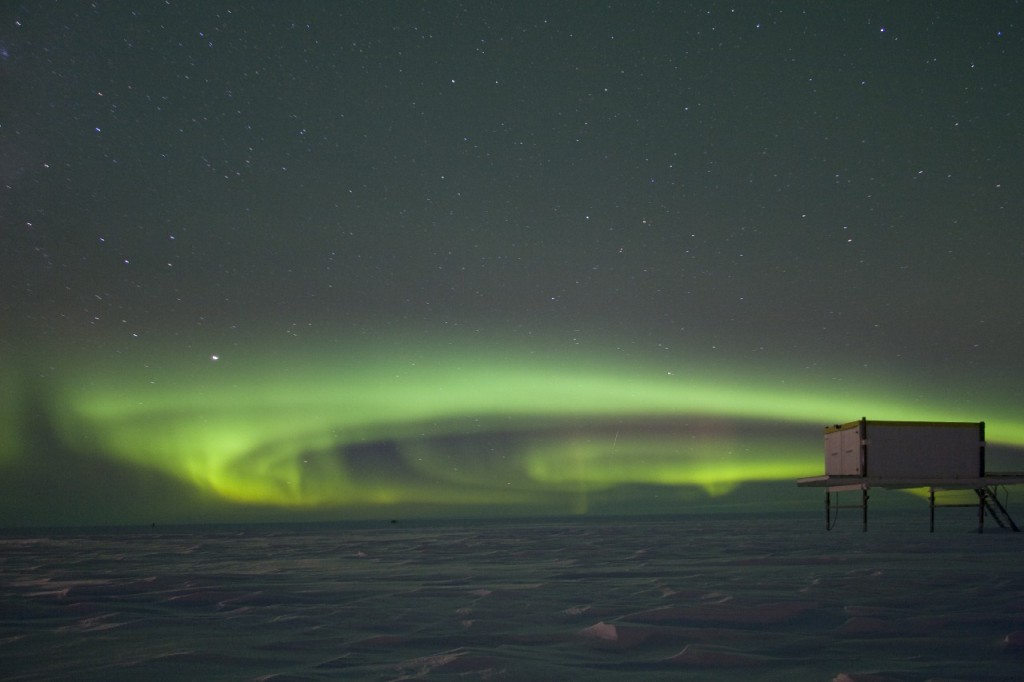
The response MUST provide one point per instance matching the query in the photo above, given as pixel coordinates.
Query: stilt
(981, 511)
(931, 507)
(864, 497)
(828, 510)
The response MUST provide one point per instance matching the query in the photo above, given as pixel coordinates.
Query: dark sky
(359, 258)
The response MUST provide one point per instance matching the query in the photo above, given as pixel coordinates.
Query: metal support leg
(864, 493)
(981, 511)
(931, 506)
(828, 510)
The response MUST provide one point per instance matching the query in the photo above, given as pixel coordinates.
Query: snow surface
(725, 598)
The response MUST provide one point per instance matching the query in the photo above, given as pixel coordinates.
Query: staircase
(990, 500)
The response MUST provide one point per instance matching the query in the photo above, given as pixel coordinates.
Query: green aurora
(291, 261)
(369, 429)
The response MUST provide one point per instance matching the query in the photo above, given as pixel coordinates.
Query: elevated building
(938, 456)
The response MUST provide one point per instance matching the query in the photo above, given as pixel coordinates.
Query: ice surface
(729, 598)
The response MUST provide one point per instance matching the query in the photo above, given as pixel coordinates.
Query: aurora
(362, 427)
(475, 259)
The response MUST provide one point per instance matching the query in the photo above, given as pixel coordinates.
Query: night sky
(325, 260)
